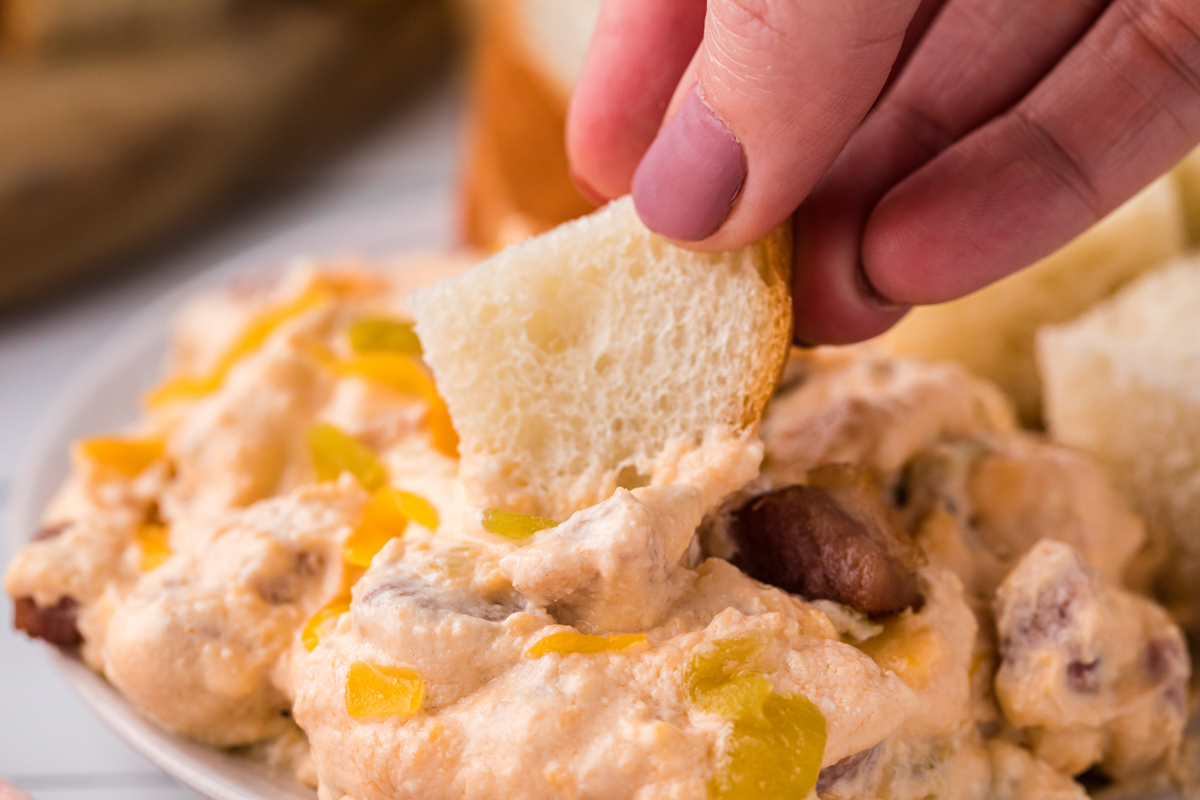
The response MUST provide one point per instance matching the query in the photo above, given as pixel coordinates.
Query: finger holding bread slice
(599, 355)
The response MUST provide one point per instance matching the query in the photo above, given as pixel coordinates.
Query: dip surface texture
(281, 557)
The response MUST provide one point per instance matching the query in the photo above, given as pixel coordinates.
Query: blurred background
(125, 124)
(143, 142)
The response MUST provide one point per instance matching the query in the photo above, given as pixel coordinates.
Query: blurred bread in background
(515, 178)
(1123, 383)
(124, 121)
(992, 331)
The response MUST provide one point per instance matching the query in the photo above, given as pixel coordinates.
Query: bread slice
(571, 362)
(556, 34)
(1123, 382)
(992, 331)
(516, 182)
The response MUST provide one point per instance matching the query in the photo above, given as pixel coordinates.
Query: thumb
(772, 95)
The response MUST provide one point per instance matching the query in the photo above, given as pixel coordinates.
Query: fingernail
(687, 181)
(585, 189)
(868, 291)
(801, 344)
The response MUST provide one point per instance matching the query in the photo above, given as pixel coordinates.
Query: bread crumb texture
(573, 363)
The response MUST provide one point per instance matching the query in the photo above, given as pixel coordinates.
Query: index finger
(638, 53)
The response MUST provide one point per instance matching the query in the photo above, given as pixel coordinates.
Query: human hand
(928, 147)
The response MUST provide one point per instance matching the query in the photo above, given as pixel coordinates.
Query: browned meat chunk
(827, 542)
(848, 768)
(55, 624)
(51, 530)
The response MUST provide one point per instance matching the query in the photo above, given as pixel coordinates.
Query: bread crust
(516, 181)
(776, 251)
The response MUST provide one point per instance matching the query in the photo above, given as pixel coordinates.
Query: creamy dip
(280, 557)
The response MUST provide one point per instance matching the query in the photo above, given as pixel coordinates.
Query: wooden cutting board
(104, 155)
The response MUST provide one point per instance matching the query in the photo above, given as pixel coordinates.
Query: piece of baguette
(992, 331)
(516, 180)
(556, 34)
(572, 361)
(1123, 383)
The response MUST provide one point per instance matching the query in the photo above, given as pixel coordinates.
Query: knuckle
(755, 22)
(1047, 148)
(1169, 32)
(858, 26)
(923, 127)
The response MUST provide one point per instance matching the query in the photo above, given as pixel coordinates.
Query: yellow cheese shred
(311, 635)
(381, 690)
(128, 456)
(194, 387)
(568, 642)
(153, 541)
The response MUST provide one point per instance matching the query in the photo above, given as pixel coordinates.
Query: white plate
(104, 395)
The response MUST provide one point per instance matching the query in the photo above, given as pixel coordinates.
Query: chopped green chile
(334, 452)
(721, 676)
(775, 756)
(373, 335)
(514, 526)
(778, 740)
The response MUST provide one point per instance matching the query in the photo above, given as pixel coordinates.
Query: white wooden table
(50, 745)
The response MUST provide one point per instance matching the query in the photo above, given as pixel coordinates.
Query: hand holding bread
(931, 147)
(591, 356)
